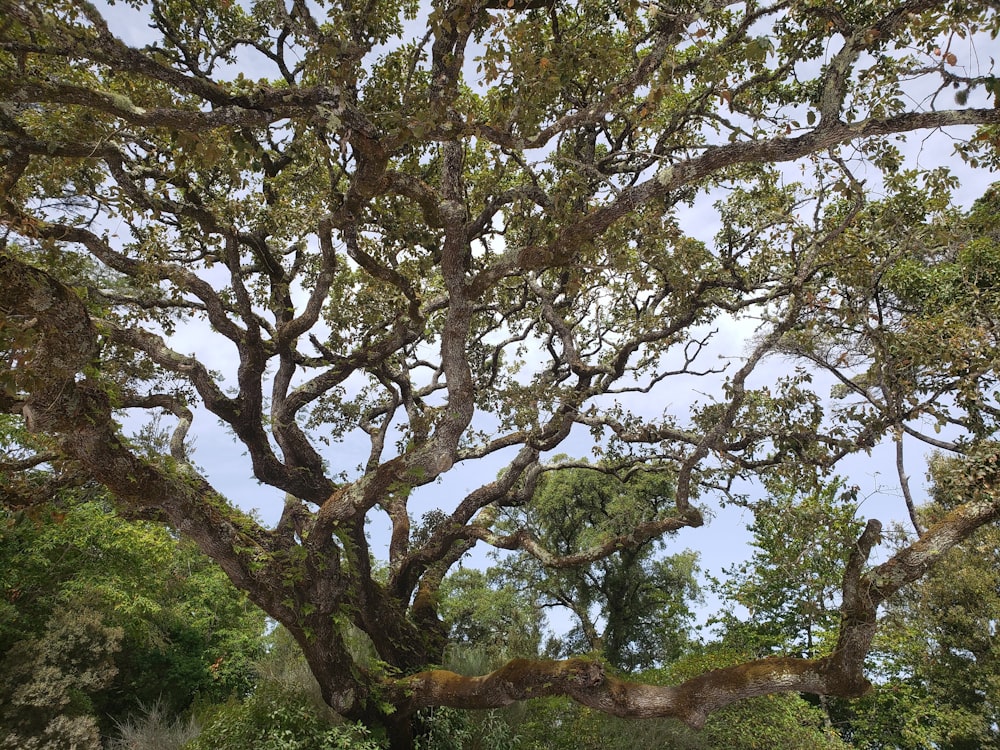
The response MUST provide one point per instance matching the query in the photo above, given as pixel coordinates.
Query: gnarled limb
(840, 674)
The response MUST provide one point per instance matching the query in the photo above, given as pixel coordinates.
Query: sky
(721, 543)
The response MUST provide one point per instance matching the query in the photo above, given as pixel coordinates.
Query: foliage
(378, 241)
(632, 605)
(161, 624)
(451, 729)
(790, 586)
(284, 711)
(275, 719)
(908, 324)
(489, 620)
(49, 680)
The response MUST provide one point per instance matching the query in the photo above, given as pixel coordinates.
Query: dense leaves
(633, 606)
(100, 617)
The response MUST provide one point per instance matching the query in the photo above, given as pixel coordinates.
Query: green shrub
(46, 682)
(275, 717)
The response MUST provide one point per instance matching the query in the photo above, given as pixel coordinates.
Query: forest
(387, 374)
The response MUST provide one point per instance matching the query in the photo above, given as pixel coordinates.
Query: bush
(285, 711)
(46, 682)
(154, 728)
(275, 717)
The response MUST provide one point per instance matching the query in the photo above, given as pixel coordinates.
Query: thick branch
(714, 158)
(588, 683)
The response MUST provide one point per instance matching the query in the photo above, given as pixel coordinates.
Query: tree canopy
(459, 235)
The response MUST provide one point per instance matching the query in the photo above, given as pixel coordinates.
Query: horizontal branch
(589, 683)
(840, 674)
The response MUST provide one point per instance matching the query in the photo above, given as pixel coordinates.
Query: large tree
(457, 235)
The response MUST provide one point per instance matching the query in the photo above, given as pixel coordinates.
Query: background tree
(455, 235)
(633, 606)
(789, 588)
(489, 620)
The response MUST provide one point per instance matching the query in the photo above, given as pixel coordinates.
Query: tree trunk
(400, 732)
